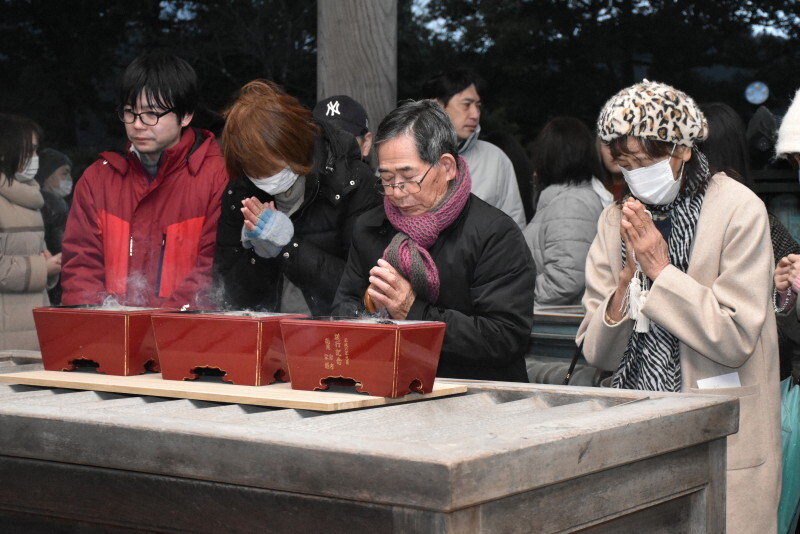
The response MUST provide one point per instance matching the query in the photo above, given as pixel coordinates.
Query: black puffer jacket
(487, 278)
(337, 190)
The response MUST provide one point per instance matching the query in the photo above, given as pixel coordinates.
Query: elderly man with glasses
(436, 252)
(143, 224)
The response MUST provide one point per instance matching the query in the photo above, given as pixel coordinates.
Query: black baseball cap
(343, 112)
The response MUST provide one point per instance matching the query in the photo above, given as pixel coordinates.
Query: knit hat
(50, 160)
(655, 111)
(789, 132)
(343, 112)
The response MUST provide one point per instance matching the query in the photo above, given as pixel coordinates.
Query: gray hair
(427, 123)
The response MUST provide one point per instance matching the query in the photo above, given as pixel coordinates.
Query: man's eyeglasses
(148, 118)
(412, 187)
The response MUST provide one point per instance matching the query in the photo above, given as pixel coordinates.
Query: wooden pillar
(357, 53)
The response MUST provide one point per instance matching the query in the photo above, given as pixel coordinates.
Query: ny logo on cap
(333, 109)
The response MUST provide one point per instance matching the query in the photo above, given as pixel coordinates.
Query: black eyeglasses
(412, 187)
(148, 118)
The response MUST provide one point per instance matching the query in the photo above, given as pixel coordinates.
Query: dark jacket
(54, 213)
(338, 189)
(486, 296)
(147, 241)
(788, 321)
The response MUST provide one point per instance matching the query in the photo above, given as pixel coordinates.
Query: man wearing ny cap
(348, 115)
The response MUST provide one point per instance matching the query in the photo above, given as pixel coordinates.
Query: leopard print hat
(654, 111)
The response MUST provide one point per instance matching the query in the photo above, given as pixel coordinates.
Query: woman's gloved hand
(265, 230)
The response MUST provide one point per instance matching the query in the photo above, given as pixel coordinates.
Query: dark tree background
(550, 57)
(60, 61)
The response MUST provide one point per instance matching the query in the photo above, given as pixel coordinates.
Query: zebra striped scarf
(652, 359)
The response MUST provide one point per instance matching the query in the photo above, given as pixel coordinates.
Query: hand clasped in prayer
(252, 210)
(787, 271)
(389, 290)
(641, 235)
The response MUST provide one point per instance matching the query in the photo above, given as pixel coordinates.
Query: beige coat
(23, 271)
(721, 312)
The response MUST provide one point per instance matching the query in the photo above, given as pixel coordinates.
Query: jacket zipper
(161, 263)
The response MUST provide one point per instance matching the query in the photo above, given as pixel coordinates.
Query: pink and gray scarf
(408, 250)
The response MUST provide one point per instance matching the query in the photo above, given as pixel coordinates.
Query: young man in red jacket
(143, 224)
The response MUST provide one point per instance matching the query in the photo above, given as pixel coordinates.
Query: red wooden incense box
(118, 339)
(246, 346)
(384, 358)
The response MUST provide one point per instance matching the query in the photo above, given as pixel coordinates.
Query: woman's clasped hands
(644, 239)
(786, 271)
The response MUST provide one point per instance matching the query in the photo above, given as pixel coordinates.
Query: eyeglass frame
(122, 111)
(402, 185)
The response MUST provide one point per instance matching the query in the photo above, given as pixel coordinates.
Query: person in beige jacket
(27, 269)
(678, 286)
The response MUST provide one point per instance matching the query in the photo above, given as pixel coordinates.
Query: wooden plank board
(278, 395)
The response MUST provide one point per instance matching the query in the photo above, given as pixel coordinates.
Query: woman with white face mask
(678, 286)
(296, 189)
(27, 269)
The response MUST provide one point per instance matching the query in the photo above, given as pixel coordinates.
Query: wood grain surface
(280, 395)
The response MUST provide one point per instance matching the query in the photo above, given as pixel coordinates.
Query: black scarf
(652, 359)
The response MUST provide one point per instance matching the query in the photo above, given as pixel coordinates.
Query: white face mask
(654, 184)
(276, 184)
(64, 188)
(30, 170)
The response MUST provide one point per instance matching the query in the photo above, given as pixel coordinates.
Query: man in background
(493, 179)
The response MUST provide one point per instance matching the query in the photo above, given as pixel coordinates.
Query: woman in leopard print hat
(678, 285)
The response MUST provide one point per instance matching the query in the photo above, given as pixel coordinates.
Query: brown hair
(16, 143)
(263, 127)
(651, 147)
